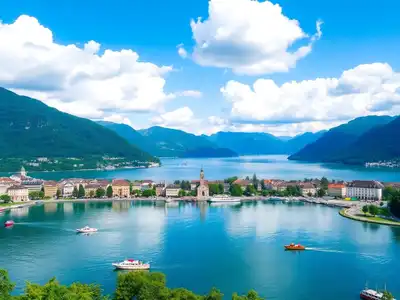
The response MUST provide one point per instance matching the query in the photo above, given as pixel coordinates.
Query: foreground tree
(365, 209)
(58, 193)
(100, 193)
(6, 286)
(252, 295)
(387, 296)
(321, 193)
(373, 210)
(75, 192)
(5, 198)
(236, 190)
(109, 191)
(81, 191)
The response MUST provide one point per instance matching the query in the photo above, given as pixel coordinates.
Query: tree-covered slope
(328, 147)
(29, 129)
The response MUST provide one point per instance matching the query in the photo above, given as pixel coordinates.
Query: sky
(283, 67)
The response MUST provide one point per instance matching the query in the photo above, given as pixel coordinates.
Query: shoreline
(345, 212)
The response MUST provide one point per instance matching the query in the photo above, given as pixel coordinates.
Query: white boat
(225, 199)
(131, 264)
(86, 229)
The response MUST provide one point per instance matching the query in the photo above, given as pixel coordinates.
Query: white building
(365, 190)
(18, 193)
(68, 189)
(172, 191)
(5, 183)
(307, 189)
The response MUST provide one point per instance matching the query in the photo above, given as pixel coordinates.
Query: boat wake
(325, 250)
(365, 255)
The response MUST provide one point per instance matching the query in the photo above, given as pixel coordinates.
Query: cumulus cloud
(190, 93)
(116, 118)
(182, 51)
(81, 80)
(250, 37)
(366, 89)
(181, 118)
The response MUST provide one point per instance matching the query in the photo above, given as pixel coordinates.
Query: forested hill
(29, 128)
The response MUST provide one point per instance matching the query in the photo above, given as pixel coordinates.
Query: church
(203, 192)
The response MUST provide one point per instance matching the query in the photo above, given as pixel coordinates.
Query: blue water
(198, 246)
(272, 166)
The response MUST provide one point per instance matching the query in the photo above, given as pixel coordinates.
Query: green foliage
(255, 180)
(231, 180)
(321, 192)
(185, 185)
(35, 195)
(58, 193)
(373, 210)
(324, 183)
(75, 192)
(214, 294)
(91, 194)
(216, 189)
(262, 184)
(365, 209)
(5, 198)
(293, 191)
(387, 296)
(252, 295)
(109, 191)
(181, 193)
(81, 191)
(6, 286)
(236, 190)
(250, 190)
(31, 129)
(149, 193)
(100, 193)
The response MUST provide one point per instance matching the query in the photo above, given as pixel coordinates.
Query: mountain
(166, 142)
(31, 129)
(298, 142)
(331, 144)
(380, 143)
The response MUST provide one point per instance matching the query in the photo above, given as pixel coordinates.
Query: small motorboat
(293, 246)
(131, 264)
(9, 223)
(86, 229)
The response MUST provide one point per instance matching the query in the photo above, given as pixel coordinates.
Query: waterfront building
(194, 184)
(172, 190)
(50, 189)
(307, 189)
(272, 184)
(337, 190)
(146, 185)
(136, 186)
(22, 178)
(243, 183)
(91, 188)
(160, 190)
(67, 189)
(18, 193)
(365, 190)
(121, 188)
(5, 183)
(203, 191)
(282, 186)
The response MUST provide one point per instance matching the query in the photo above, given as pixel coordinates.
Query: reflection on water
(242, 242)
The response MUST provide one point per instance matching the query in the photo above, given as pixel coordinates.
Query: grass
(11, 204)
(368, 218)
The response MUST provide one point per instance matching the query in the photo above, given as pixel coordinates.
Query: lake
(271, 166)
(198, 246)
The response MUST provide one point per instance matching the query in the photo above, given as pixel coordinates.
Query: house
(365, 190)
(337, 190)
(91, 188)
(146, 185)
(5, 183)
(121, 188)
(272, 184)
(243, 183)
(50, 188)
(136, 186)
(282, 186)
(22, 178)
(67, 188)
(160, 190)
(307, 189)
(172, 190)
(18, 193)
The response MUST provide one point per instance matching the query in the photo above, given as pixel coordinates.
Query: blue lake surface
(271, 166)
(198, 246)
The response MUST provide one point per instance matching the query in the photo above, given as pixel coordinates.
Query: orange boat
(292, 246)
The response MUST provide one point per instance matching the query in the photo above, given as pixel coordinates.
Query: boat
(370, 294)
(9, 223)
(224, 199)
(86, 229)
(293, 246)
(131, 264)
(168, 200)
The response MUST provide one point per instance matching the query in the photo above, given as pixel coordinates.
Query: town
(21, 188)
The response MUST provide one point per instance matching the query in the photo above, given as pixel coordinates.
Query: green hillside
(31, 129)
(329, 146)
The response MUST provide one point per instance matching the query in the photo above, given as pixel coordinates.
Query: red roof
(120, 182)
(242, 182)
(336, 186)
(50, 183)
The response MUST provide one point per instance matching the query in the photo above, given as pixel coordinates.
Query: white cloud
(116, 118)
(364, 90)
(181, 118)
(83, 81)
(190, 93)
(181, 51)
(249, 37)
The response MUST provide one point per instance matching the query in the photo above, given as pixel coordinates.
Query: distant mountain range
(166, 142)
(361, 140)
(31, 129)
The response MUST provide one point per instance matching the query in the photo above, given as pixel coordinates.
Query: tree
(387, 296)
(255, 180)
(109, 191)
(215, 189)
(252, 295)
(5, 198)
(324, 183)
(181, 193)
(381, 204)
(6, 286)
(247, 178)
(91, 194)
(250, 190)
(75, 192)
(262, 182)
(81, 191)
(58, 193)
(231, 180)
(321, 193)
(373, 210)
(214, 294)
(177, 182)
(100, 193)
(149, 193)
(365, 209)
(236, 190)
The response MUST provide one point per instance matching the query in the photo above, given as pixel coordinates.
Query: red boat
(294, 247)
(9, 223)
